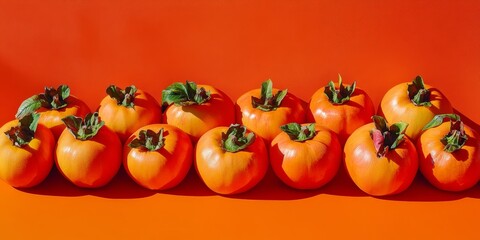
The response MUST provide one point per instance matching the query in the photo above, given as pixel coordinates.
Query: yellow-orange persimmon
(231, 160)
(88, 153)
(195, 109)
(125, 111)
(414, 103)
(26, 152)
(53, 105)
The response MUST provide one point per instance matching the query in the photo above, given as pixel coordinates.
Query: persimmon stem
(123, 97)
(386, 137)
(342, 94)
(84, 129)
(299, 133)
(149, 140)
(24, 132)
(51, 99)
(268, 101)
(184, 94)
(418, 94)
(456, 137)
(236, 138)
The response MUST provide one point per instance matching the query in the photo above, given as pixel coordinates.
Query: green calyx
(84, 129)
(236, 138)
(456, 137)
(386, 137)
(24, 132)
(149, 140)
(184, 94)
(418, 94)
(51, 99)
(299, 133)
(123, 97)
(267, 101)
(342, 94)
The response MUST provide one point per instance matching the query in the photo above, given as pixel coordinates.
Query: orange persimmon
(414, 103)
(158, 156)
(380, 159)
(340, 108)
(26, 152)
(53, 105)
(265, 110)
(196, 109)
(305, 156)
(449, 154)
(125, 111)
(88, 153)
(231, 160)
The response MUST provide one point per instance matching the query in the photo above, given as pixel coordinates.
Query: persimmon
(340, 108)
(231, 160)
(449, 153)
(26, 151)
(88, 153)
(414, 103)
(305, 156)
(380, 159)
(53, 105)
(264, 110)
(125, 111)
(195, 109)
(158, 156)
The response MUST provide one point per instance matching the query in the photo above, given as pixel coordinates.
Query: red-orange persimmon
(341, 109)
(305, 156)
(158, 156)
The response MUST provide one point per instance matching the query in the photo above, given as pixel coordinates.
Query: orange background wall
(235, 45)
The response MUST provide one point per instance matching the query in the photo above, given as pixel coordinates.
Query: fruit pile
(231, 145)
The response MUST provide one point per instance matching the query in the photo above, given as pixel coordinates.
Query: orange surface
(235, 45)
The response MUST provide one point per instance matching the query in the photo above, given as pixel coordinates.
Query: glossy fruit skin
(27, 166)
(387, 175)
(342, 119)
(309, 164)
(267, 124)
(164, 168)
(197, 119)
(397, 107)
(91, 163)
(226, 172)
(126, 120)
(456, 171)
(52, 118)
